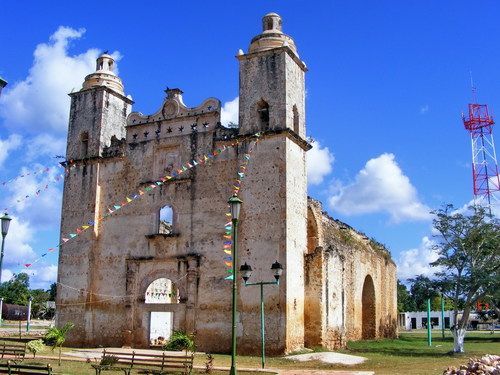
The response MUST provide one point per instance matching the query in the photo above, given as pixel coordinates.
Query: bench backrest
(160, 361)
(18, 350)
(14, 368)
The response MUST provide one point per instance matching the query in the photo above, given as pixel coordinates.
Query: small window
(263, 114)
(165, 222)
(84, 138)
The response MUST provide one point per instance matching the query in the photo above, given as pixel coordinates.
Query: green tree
(16, 290)
(469, 259)
(436, 303)
(55, 337)
(422, 288)
(52, 292)
(40, 297)
(405, 302)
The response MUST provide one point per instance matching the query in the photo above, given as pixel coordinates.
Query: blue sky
(386, 85)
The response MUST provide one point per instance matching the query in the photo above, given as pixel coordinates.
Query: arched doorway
(161, 291)
(368, 309)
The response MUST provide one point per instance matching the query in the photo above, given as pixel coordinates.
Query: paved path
(322, 372)
(91, 354)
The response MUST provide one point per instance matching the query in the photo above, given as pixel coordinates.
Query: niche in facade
(162, 290)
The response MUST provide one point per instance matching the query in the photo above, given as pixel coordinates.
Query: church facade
(149, 194)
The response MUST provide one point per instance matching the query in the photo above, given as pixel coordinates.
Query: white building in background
(418, 320)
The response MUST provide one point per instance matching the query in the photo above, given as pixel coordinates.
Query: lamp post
(246, 272)
(5, 229)
(235, 205)
(3, 83)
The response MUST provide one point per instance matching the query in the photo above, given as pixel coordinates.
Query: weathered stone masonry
(336, 285)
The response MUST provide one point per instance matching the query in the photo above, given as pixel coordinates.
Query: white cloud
(41, 276)
(229, 112)
(6, 274)
(8, 145)
(319, 163)
(43, 208)
(17, 248)
(424, 109)
(414, 262)
(381, 186)
(40, 102)
(45, 145)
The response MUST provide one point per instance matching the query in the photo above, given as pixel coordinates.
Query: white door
(161, 325)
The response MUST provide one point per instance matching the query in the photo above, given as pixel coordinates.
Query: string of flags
(69, 164)
(130, 198)
(42, 188)
(228, 227)
(110, 297)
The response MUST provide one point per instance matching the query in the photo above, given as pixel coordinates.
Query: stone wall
(349, 308)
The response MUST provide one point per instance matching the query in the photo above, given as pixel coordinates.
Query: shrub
(108, 360)
(180, 341)
(35, 346)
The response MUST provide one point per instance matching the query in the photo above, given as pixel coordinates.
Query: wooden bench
(15, 368)
(146, 363)
(18, 351)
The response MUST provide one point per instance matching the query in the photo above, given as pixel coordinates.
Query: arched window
(263, 114)
(165, 220)
(162, 291)
(296, 121)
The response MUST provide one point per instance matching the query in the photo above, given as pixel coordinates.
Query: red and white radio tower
(486, 181)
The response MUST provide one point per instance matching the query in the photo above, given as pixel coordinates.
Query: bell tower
(272, 93)
(274, 223)
(98, 111)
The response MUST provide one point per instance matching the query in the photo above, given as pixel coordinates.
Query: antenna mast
(485, 179)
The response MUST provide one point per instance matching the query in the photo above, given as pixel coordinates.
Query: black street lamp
(235, 205)
(246, 273)
(3, 83)
(5, 229)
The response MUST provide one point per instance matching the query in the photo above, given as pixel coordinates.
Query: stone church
(155, 265)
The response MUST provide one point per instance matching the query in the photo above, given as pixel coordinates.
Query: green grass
(407, 355)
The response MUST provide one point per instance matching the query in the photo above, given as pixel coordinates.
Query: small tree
(180, 341)
(405, 302)
(35, 346)
(422, 289)
(469, 260)
(55, 337)
(16, 290)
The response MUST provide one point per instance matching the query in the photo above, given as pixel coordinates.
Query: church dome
(104, 75)
(272, 35)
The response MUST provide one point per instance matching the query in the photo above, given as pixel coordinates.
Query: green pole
(442, 315)
(232, 371)
(28, 321)
(429, 334)
(262, 325)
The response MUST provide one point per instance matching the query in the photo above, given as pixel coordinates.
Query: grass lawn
(407, 355)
